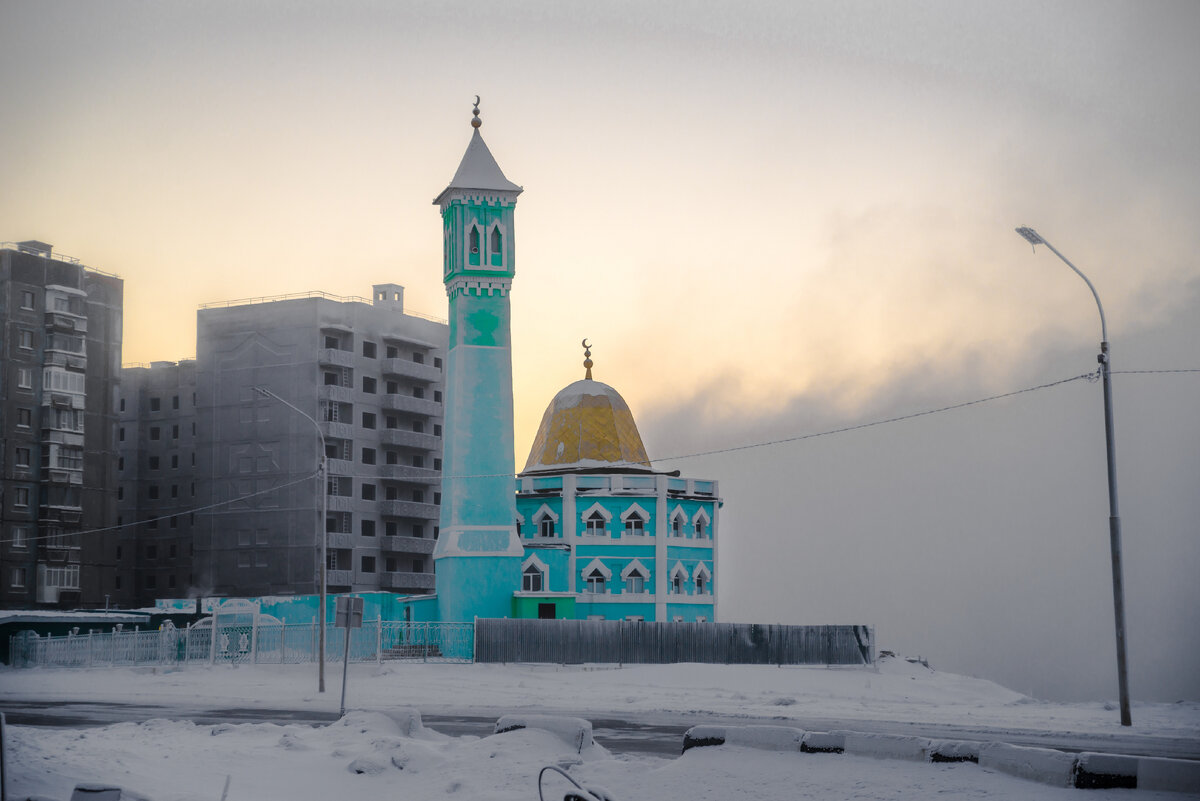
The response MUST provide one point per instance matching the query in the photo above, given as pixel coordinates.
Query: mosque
(593, 531)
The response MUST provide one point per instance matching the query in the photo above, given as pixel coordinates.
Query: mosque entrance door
(546, 611)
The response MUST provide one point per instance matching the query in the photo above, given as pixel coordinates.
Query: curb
(1087, 770)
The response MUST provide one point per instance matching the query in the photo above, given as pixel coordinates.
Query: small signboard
(348, 612)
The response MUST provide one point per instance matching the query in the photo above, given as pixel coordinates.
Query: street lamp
(1114, 518)
(320, 537)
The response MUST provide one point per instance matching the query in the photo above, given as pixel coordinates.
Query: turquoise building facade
(478, 553)
(605, 536)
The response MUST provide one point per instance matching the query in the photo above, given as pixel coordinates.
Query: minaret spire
(478, 553)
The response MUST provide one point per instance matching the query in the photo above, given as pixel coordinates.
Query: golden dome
(587, 425)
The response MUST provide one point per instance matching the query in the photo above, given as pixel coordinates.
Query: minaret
(478, 554)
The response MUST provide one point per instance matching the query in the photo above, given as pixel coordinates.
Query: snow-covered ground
(370, 755)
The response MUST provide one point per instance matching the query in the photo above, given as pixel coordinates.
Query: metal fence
(630, 642)
(275, 643)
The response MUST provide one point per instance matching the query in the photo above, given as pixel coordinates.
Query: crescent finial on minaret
(587, 359)
(476, 122)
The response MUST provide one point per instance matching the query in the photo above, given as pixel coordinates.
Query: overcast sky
(770, 219)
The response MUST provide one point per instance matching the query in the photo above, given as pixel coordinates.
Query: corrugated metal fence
(628, 642)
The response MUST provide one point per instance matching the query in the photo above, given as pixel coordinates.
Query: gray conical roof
(479, 170)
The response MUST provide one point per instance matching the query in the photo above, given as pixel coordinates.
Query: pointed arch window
(596, 582)
(635, 575)
(496, 247)
(545, 520)
(702, 579)
(595, 524)
(473, 246)
(700, 525)
(678, 522)
(679, 577)
(595, 520)
(595, 577)
(532, 579)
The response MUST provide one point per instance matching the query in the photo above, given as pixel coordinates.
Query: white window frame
(678, 573)
(635, 566)
(702, 580)
(539, 517)
(589, 581)
(680, 516)
(587, 516)
(701, 525)
(541, 567)
(642, 515)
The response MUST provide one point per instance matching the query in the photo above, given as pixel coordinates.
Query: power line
(176, 513)
(1090, 376)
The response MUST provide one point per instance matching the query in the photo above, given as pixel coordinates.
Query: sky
(769, 219)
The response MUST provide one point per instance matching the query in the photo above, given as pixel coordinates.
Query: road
(658, 735)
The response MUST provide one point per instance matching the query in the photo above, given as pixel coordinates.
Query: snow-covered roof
(478, 170)
(56, 616)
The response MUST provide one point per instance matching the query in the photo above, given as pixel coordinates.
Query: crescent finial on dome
(587, 359)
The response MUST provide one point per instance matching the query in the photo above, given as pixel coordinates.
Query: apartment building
(284, 384)
(61, 344)
(157, 494)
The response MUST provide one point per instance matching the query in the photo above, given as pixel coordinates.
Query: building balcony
(60, 476)
(406, 368)
(421, 545)
(401, 472)
(63, 400)
(407, 403)
(407, 581)
(337, 430)
(339, 578)
(408, 439)
(71, 438)
(336, 539)
(71, 361)
(335, 357)
(58, 321)
(414, 509)
(333, 392)
(339, 467)
(339, 503)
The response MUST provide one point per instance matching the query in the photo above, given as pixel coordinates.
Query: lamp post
(321, 537)
(1114, 518)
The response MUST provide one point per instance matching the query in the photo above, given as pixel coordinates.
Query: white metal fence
(265, 643)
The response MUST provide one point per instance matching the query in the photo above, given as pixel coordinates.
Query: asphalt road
(658, 735)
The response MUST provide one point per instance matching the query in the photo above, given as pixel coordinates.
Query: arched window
(496, 247)
(595, 581)
(701, 584)
(532, 579)
(595, 524)
(634, 525)
(679, 577)
(677, 523)
(635, 582)
(473, 246)
(544, 520)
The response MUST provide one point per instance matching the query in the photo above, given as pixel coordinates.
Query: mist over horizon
(978, 537)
